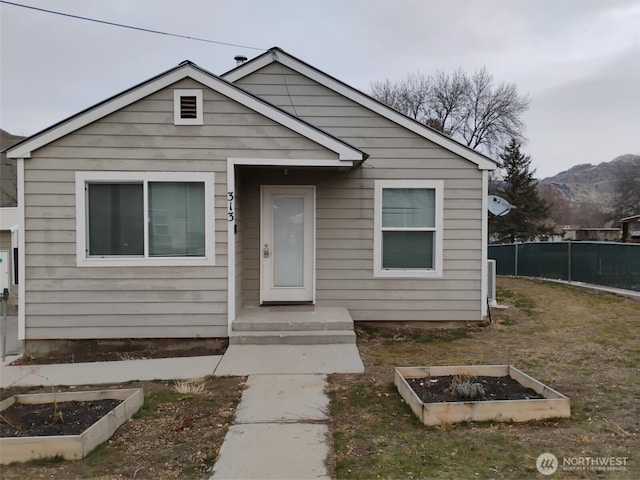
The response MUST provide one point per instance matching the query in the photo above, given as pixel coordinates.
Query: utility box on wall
(491, 283)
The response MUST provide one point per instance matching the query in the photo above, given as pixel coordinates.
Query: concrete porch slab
(290, 359)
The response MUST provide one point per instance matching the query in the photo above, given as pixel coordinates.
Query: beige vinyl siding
(345, 209)
(65, 301)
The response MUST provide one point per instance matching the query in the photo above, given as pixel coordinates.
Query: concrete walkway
(96, 373)
(239, 360)
(280, 430)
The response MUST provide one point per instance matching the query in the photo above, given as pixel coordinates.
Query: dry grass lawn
(584, 344)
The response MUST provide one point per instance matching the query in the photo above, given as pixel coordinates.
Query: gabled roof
(186, 69)
(276, 54)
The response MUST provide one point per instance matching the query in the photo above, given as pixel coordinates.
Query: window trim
(84, 178)
(177, 103)
(436, 271)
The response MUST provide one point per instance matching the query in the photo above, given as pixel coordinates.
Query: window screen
(176, 219)
(116, 219)
(408, 225)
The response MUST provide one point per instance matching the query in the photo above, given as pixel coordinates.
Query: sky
(577, 60)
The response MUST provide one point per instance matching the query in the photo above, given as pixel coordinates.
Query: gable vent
(188, 107)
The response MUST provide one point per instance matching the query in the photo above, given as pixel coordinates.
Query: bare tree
(469, 108)
(447, 101)
(626, 198)
(410, 97)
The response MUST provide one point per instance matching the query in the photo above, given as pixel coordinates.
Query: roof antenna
(240, 59)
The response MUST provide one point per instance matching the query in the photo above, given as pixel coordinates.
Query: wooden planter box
(71, 447)
(553, 404)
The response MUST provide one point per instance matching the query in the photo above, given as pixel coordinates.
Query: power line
(147, 30)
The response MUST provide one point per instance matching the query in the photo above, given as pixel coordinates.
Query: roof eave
(183, 70)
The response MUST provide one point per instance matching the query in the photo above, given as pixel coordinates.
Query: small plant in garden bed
(459, 388)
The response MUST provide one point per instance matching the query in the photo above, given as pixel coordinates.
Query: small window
(187, 105)
(151, 219)
(408, 228)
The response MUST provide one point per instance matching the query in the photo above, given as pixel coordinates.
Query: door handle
(265, 252)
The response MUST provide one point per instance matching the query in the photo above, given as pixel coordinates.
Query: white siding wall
(345, 210)
(64, 301)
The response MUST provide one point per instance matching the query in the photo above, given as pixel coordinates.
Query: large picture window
(150, 219)
(408, 228)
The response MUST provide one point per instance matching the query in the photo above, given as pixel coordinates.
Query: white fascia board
(22, 269)
(285, 162)
(344, 151)
(481, 161)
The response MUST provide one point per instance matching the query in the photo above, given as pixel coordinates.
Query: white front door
(287, 244)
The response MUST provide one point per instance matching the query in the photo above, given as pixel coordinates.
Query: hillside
(588, 183)
(8, 174)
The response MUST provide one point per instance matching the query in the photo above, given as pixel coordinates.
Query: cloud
(563, 53)
(590, 120)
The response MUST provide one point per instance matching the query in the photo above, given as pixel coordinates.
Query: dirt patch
(48, 419)
(445, 389)
(79, 351)
(173, 435)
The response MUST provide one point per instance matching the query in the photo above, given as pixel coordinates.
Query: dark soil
(43, 419)
(102, 351)
(438, 389)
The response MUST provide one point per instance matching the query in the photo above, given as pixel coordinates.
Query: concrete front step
(292, 318)
(290, 326)
(293, 325)
(317, 337)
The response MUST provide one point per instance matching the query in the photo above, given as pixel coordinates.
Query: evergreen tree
(519, 188)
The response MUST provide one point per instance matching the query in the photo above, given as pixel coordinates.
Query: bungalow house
(178, 207)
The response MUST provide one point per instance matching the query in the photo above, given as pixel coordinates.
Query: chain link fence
(600, 263)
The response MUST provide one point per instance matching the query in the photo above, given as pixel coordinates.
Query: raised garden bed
(488, 392)
(75, 446)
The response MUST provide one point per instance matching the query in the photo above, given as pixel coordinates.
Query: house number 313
(230, 211)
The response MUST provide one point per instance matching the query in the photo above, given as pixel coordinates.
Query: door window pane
(406, 249)
(116, 219)
(408, 208)
(176, 219)
(288, 251)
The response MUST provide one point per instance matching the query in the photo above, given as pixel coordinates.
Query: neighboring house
(166, 210)
(592, 234)
(631, 229)
(10, 218)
